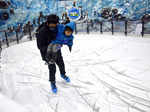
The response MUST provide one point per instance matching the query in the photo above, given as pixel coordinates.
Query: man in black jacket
(46, 33)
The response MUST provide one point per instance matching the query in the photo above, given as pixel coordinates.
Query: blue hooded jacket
(61, 38)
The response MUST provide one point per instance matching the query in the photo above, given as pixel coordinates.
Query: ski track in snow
(97, 84)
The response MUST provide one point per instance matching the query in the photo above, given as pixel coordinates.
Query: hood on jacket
(71, 25)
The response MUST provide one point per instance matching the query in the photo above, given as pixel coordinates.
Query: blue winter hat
(70, 26)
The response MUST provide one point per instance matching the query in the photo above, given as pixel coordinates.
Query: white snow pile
(108, 74)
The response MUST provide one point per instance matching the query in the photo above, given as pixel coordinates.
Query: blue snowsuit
(61, 39)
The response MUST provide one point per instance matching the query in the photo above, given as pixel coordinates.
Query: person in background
(41, 18)
(66, 21)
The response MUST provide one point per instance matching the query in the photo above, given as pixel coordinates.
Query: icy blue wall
(29, 9)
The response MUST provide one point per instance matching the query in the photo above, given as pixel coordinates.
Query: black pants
(52, 67)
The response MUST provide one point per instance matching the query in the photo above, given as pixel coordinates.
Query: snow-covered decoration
(74, 13)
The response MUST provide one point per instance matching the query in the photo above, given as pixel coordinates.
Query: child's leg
(55, 49)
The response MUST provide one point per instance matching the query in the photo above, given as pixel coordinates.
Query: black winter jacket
(44, 38)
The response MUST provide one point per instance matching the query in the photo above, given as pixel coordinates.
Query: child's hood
(71, 25)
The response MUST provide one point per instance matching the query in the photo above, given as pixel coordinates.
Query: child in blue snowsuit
(64, 37)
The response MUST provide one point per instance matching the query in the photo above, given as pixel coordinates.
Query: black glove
(70, 48)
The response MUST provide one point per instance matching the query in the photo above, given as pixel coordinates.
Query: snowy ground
(108, 74)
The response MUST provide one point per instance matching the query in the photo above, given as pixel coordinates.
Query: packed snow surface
(108, 74)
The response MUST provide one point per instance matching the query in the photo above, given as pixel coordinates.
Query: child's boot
(66, 78)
